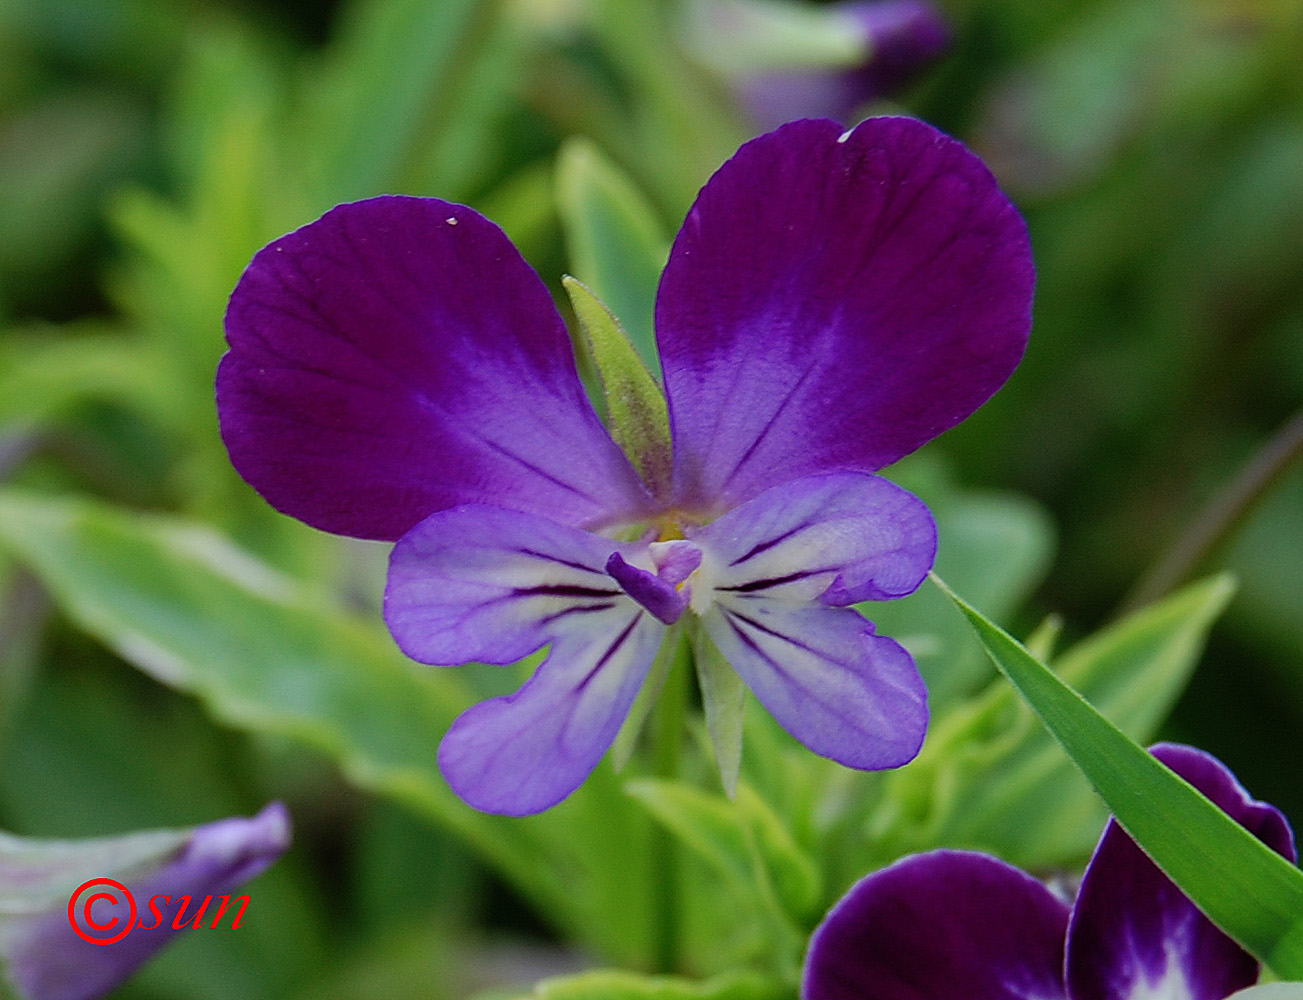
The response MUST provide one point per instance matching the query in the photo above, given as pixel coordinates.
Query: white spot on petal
(1171, 985)
(451, 220)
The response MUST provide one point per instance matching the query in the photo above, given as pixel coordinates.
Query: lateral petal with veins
(494, 585)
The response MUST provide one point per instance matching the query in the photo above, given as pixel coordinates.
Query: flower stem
(667, 745)
(1222, 515)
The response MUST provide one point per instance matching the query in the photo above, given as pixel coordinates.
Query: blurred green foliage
(149, 147)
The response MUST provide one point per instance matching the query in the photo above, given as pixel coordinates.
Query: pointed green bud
(639, 417)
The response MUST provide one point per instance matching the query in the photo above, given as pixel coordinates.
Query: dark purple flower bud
(961, 924)
(787, 61)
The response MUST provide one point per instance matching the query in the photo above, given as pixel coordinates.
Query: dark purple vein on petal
(769, 424)
(774, 581)
(559, 561)
(790, 640)
(834, 707)
(507, 453)
(769, 543)
(611, 651)
(578, 609)
(562, 590)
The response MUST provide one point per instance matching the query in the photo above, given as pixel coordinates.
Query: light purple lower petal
(770, 589)
(838, 538)
(525, 752)
(1134, 933)
(494, 585)
(843, 691)
(949, 925)
(48, 961)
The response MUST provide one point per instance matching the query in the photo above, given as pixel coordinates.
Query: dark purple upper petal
(398, 357)
(1133, 932)
(948, 925)
(832, 302)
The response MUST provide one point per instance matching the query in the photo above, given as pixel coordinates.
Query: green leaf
(990, 779)
(705, 823)
(661, 110)
(267, 655)
(394, 75)
(616, 244)
(994, 546)
(747, 845)
(636, 409)
(23, 613)
(43, 377)
(612, 985)
(723, 698)
(1249, 891)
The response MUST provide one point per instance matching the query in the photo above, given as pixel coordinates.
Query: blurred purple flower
(960, 924)
(833, 301)
(787, 61)
(47, 960)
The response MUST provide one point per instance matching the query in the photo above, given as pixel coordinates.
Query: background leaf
(266, 656)
(615, 242)
(1247, 889)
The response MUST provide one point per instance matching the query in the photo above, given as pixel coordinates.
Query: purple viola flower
(786, 61)
(832, 302)
(169, 874)
(966, 925)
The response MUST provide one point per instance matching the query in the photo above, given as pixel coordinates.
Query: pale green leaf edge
(603, 984)
(1249, 891)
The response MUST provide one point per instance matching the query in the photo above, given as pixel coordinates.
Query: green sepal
(1242, 885)
(639, 417)
(627, 739)
(723, 697)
